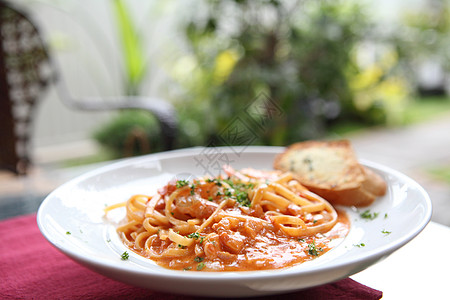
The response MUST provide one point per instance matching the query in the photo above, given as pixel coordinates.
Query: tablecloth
(31, 268)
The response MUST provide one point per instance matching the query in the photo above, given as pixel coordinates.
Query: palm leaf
(131, 46)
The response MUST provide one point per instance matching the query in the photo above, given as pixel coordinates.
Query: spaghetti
(246, 220)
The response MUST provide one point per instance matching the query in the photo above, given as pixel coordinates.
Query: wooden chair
(26, 70)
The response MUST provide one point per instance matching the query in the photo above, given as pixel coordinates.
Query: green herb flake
(368, 215)
(187, 268)
(386, 232)
(313, 250)
(360, 245)
(242, 198)
(200, 266)
(194, 235)
(239, 192)
(68, 233)
(198, 259)
(181, 183)
(125, 256)
(228, 193)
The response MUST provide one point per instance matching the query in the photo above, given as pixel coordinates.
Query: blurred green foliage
(427, 108)
(285, 71)
(302, 56)
(132, 51)
(441, 173)
(425, 34)
(131, 132)
(422, 42)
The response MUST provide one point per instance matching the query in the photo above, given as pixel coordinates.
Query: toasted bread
(331, 170)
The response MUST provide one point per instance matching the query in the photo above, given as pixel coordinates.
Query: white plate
(77, 207)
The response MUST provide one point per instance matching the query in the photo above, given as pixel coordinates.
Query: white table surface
(418, 270)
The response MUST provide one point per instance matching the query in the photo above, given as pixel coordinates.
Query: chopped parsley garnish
(181, 183)
(194, 235)
(68, 233)
(200, 266)
(242, 198)
(125, 256)
(228, 193)
(313, 250)
(302, 240)
(187, 269)
(238, 192)
(198, 259)
(386, 232)
(230, 182)
(181, 246)
(368, 215)
(192, 189)
(215, 180)
(360, 245)
(385, 215)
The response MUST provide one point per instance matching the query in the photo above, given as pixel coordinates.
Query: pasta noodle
(245, 220)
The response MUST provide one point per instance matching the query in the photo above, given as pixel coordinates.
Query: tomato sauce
(248, 245)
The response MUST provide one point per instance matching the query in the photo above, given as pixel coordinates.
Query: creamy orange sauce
(220, 225)
(242, 247)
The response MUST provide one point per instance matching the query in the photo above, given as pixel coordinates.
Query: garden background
(308, 69)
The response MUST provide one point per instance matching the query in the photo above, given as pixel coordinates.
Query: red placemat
(30, 267)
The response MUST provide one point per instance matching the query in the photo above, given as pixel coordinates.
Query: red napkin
(30, 267)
